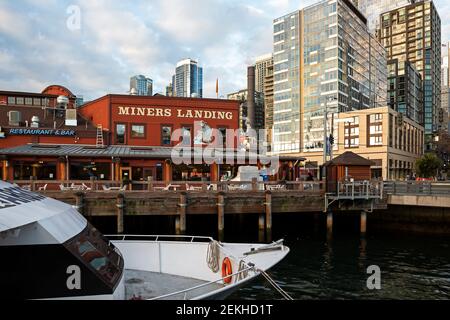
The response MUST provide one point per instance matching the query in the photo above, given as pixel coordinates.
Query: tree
(428, 165)
(443, 149)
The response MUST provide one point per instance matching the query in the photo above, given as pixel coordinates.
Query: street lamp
(325, 136)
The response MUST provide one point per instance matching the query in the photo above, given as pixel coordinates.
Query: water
(412, 266)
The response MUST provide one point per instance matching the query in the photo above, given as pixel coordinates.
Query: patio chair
(26, 187)
(85, 187)
(43, 188)
(105, 188)
(63, 188)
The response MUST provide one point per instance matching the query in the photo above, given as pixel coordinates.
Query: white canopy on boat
(19, 208)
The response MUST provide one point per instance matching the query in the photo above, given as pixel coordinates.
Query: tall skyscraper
(405, 89)
(268, 102)
(242, 96)
(413, 33)
(372, 9)
(445, 89)
(169, 90)
(261, 65)
(188, 79)
(324, 59)
(142, 85)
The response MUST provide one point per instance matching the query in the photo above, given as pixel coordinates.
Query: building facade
(405, 89)
(372, 9)
(169, 90)
(382, 135)
(137, 132)
(141, 85)
(445, 89)
(268, 103)
(261, 65)
(188, 79)
(325, 59)
(413, 33)
(242, 97)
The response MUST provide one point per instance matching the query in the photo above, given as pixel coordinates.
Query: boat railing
(186, 291)
(156, 238)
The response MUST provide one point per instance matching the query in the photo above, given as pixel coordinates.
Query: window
(19, 100)
(120, 133)
(29, 101)
(187, 135)
(223, 132)
(166, 135)
(11, 100)
(376, 117)
(138, 131)
(376, 141)
(37, 101)
(96, 253)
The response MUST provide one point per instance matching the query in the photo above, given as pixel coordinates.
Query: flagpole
(217, 88)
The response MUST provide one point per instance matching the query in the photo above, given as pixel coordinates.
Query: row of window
(138, 131)
(22, 101)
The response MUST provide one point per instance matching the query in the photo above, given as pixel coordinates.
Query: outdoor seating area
(74, 187)
(106, 188)
(170, 187)
(276, 187)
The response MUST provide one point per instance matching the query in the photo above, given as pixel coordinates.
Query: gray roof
(88, 151)
(106, 152)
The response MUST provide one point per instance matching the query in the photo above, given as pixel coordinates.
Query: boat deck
(147, 285)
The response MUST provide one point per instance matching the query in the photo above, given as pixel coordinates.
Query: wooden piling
(261, 222)
(221, 214)
(329, 222)
(268, 205)
(180, 222)
(120, 212)
(150, 183)
(32, 183)
(254, 184)
(79, 202)
(93, 183)
(363, 223)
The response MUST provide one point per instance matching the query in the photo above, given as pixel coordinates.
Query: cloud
(118, 39)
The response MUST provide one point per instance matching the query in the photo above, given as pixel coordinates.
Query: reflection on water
(412, 267)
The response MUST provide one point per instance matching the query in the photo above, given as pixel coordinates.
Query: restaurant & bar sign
(42, 132)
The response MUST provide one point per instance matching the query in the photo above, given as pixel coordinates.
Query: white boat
(50, 251)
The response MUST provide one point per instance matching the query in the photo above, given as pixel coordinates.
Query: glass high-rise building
(405, 89)
(372, 9)
(188, 79)
(141, 85)
(413, 33)
(325, 58)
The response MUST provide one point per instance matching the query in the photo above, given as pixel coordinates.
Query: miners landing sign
(178, 113)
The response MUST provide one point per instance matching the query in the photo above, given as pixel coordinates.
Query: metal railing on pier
(360, 190)
(417, 188)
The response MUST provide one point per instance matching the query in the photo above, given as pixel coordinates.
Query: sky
(93, 47)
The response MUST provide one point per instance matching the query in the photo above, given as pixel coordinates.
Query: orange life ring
(227, 270)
